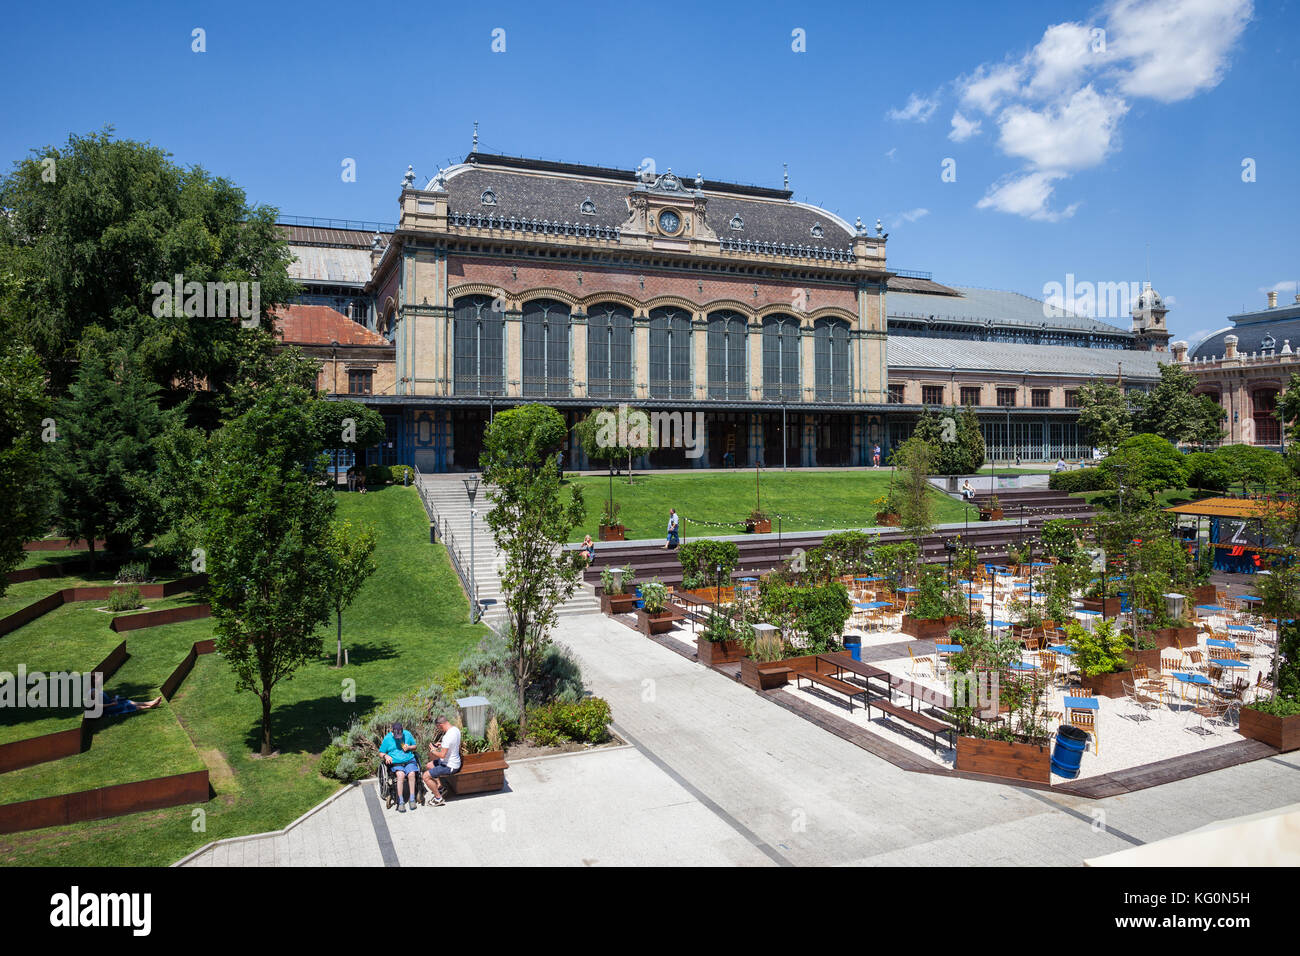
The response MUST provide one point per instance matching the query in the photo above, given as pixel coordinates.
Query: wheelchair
(388, 784)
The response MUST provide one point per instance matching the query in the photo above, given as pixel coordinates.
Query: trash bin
(1068, 753)
(854, 646)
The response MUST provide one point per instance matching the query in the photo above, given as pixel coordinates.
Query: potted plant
(767, 648)
(610, 529)
(758, 522)
(886, 509)
(718, 642)
(991, 510)
(616, 596)
(1017, 747)
(654, 616)
(1100, 656)
(1276, 719)
(935, 610)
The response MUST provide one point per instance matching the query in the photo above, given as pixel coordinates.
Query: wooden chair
(1215, 711)
(1085, 720)
(918, 664)
(1138, 697)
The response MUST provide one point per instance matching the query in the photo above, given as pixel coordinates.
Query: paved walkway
(718, 775)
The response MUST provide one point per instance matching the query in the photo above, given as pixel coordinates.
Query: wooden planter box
(1094, 604)
(1107, 685)
(1204, 594)
(885, 518)
(996, 514)
(759, 527)
(1001, 758)
(1171, 636)
(1280, 732)
(648, 623)
(1150, 658)
(611, 532)
(928, 630)
(757, 676)
(711, 654)
(612, 604)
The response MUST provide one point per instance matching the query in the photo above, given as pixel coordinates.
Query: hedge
(1082, 479)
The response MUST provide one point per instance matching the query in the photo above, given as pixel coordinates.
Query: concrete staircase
(447, 495)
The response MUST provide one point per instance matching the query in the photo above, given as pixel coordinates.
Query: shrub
(818, 611)
(609, 584)
(1060, 540)
(125, 599)
(654, 596)
(1099, 651)
(1083, 479)
(583, 721)
(377, 475)
(329, 760)
(135, 572)
(700, 560)
(401, 474)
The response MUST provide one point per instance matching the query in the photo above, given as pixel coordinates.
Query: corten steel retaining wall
(98, 804)
(171, 615)
(99, 592)
(59, 544)
(61, 743)
(183, 669)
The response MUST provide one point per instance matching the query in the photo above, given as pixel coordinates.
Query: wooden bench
(920, 721)
(832, 683)
(478, 773)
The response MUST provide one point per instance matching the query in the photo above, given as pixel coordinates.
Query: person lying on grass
(401, 759)
(116, 706)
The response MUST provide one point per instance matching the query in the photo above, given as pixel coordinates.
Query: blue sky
(1073, 149)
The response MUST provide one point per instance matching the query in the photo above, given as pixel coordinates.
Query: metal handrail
(442, 529)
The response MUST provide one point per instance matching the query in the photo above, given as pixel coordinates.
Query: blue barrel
(1068, 753)
(639, 603)
(854, 646)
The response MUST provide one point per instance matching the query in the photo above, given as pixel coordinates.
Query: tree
(88, 247)
(107, 428)
(266, 515)
(531, 519)
(957, 440)
(351, 550)
(1145, 465)
(1173, 412)
(914, 460)
(343, 423)
(1104, 414)
(1288, 409)
(23, 505)
(613, 435)
(1251, 465)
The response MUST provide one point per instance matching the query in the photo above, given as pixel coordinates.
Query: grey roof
(996, 307)
(901, 283)
(330, 264)
(556, 192)
(1252, 328)
(915, 352)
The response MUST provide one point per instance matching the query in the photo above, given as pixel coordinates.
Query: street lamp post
(471, 489)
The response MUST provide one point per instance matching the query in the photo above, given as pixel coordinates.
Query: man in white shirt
(446, 759)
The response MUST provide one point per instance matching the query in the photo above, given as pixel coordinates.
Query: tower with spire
(1150, 333)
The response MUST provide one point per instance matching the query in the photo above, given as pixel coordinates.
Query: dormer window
(817, 231)
(588, 208)
(737, 223)
(488, 198)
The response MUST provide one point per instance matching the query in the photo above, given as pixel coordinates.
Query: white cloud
(1077, 134)
(1026, 195)
(1174, 49)
(1060, 59)
(912, 215)
(988, 86)
(1286, 285)
(918, 109)
(962, 128)
(890, 152)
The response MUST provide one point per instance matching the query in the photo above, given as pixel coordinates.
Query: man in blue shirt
(398, 751)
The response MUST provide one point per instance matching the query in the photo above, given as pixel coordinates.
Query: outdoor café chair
(919, 664)
(1140, 699)
(1215, 711)
(1085, 720)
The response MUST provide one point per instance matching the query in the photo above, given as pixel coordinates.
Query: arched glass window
(831, 360)
(670, 354)
(609, 351)
(478, 347)
(781, 358)
(726, 350)
(546, 349)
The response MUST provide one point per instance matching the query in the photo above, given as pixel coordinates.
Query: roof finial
(785, 168)
(474, 148)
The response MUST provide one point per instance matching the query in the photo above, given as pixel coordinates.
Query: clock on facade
(669, 222)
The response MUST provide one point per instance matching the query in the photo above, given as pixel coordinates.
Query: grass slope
(808, 500)
(410, 620)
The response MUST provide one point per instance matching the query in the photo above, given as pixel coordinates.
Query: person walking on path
(672, 529)
(875, 456)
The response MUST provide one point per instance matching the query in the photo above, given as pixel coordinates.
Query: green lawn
(410, 620)
(807, 500)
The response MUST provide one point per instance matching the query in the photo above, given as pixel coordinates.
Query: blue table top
(1216, 642)
(948, 648)
(1083, 703)
(997, 623)
(1080, 610)
(968, 583)
(907, 590)
(876, 578)
(1240, 628)
(1022, 666)
(1191, 678)
(870, 605)
(1208, 607)
(746, 579)
(1062, 649)
(1227, 663)
(1249, 597)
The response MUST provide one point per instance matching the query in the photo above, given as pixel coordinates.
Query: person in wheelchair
(401, 766)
